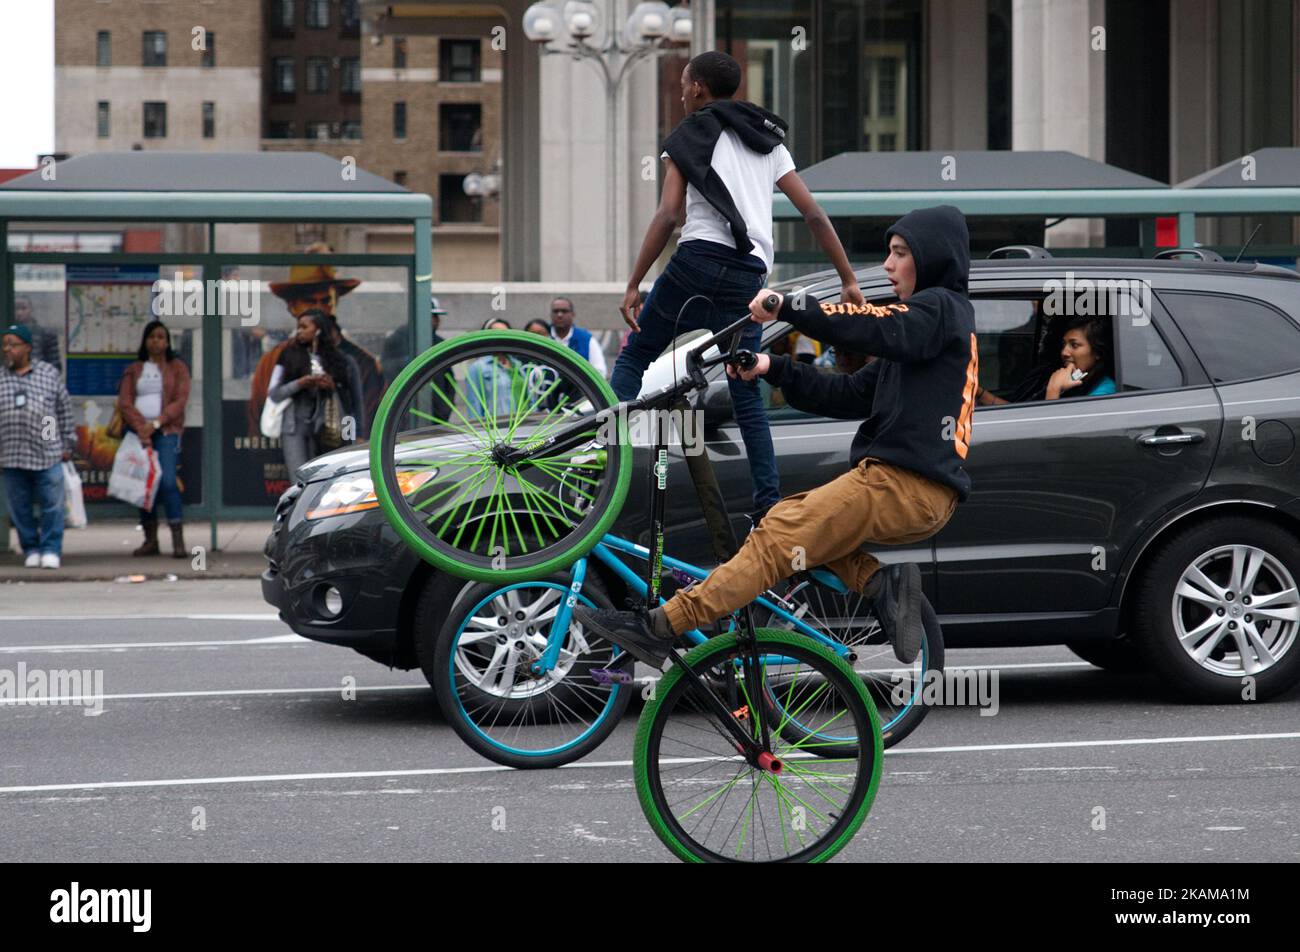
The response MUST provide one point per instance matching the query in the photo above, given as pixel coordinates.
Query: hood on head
(940, 244)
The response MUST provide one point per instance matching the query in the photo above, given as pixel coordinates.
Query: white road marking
(234, 692)
(623, 764)
(120, 645)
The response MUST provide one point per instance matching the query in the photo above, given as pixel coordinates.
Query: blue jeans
(23, 488)
(729, 281)
(168, 448)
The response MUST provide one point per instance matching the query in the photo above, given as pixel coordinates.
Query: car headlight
(356, 492)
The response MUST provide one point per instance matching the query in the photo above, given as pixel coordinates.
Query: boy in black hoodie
(721, 165)
(906, 473)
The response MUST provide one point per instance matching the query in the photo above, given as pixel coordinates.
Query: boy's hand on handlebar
(631, 307)
(761, 366)
(762, 309)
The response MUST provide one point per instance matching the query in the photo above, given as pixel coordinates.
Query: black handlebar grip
(746, 360)
(770, 303)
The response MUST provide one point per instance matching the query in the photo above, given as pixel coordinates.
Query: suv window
(1007, 332)
(1145, 360)
(1236, 338)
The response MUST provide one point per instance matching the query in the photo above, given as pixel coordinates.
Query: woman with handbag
(151, 400)
(313, 375)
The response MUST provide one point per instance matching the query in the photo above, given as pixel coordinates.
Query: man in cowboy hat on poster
(316, 286)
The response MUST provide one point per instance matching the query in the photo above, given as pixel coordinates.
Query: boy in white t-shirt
(722, 162)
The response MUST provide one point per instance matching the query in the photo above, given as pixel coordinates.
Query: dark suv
(1156, 527)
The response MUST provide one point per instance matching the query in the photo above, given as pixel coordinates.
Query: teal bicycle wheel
(444, 456)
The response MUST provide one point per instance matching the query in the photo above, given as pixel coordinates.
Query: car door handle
(1165, 439)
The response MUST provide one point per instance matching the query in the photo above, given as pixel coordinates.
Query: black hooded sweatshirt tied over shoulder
(690, 146)
(919, 395)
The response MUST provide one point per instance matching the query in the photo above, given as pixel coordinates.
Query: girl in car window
(1087, 367)
(1083, 350)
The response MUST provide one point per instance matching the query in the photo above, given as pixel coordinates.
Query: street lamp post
(648, 30)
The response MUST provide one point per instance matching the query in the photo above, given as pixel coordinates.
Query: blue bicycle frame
(604, 551)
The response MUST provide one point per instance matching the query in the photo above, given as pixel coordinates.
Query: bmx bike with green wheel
(503, 458)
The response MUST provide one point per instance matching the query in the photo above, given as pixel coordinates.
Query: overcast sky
(26, 81)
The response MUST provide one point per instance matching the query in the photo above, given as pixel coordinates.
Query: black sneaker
(631, 631)
(896, 593)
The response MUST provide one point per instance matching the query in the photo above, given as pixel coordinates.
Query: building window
(399, 178)
(103, 48)
(282, 70)
(460, 127)
(399, 52)
(209, 120)
(453, 204)
(318, 74)
(155, 120)
(349, 17)
(318, 14)
(209, 58)
(285, 12)
(350, 75)
(155, 48)
(458, 61)
(280, 129)
(399, 120)
(318, 130)
(103, 124)
(351, 129)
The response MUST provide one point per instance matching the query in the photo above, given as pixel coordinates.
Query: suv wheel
(1218, 614)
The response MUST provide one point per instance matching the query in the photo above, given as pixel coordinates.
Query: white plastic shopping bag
(135, 473)
(74, 506)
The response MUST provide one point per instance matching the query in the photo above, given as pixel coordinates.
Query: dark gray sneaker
(896, 593)
(631, 631)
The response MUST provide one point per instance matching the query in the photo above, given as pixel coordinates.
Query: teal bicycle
(758, 744)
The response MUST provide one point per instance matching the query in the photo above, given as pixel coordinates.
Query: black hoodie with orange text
(918, 397)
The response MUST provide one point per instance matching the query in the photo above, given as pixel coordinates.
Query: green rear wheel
(708, 803)
(443, 456)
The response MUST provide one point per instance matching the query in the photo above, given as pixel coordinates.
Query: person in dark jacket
(311, 371)
(906, 471)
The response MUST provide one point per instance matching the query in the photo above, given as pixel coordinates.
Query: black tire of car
(1119, 656)
(1153, 622)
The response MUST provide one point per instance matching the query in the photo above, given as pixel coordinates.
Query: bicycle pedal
(610, 676)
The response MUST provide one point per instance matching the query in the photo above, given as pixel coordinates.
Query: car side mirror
(715, 403)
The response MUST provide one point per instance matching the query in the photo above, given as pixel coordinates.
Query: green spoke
(711, 797)
(514, 424)
(553, 467)
(445, 492)
(813, 733)
(560, 477)
(541, 424)
(518, 532)
(479, 532)
(805, 774)
(524, 488)
(803, 803)
(482, 478)
(451, 402)
(784, 799)
(488, 419)
(438, 421)
(550, 497)
(749, 817)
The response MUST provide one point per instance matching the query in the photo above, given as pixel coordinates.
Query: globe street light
(647, 32)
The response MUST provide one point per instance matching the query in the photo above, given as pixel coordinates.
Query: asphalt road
(213, 711)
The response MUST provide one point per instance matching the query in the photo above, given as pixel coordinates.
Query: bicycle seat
(826, 577)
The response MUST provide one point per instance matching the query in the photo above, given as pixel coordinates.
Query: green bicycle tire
(720, 645)
(382, 444)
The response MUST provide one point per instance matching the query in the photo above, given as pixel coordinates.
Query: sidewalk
(102, 552)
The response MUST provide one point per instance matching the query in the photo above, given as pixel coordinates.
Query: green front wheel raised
(447, 456)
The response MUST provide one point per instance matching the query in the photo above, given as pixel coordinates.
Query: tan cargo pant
(873, 502)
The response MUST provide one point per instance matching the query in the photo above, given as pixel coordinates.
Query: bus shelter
(1044, 189)
(226, 250)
